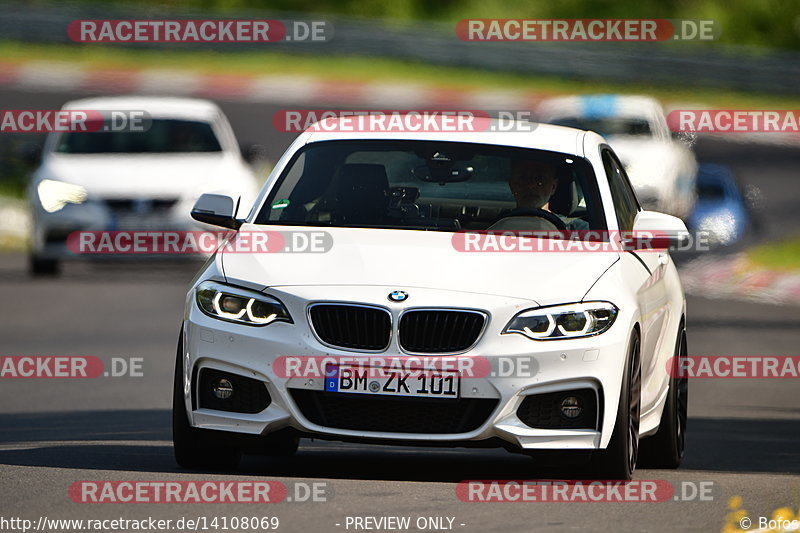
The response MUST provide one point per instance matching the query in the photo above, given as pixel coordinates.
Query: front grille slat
(351, 326)
(341, 326)
(149, 205)
(422, 327)
(440, 330)
(437, 334)
(447, 328)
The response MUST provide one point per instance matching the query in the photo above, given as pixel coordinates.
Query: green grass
(12, 190)
(364, 69)
(782, 255)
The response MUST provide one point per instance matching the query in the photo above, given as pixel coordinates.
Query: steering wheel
(533, 212)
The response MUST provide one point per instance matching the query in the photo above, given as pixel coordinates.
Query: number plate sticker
(421, 383)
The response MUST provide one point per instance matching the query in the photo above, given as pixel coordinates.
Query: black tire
(618, 460)
(570, 464)
(196, 448)
(282, 443)
(39, 266)
(665, 449)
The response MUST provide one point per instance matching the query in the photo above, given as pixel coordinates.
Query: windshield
(432, 185)
(163, 136)
(711, 191)
(607, 126)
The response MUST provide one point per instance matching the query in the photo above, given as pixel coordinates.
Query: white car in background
(132, 180)
(662, 170)
(589, 333)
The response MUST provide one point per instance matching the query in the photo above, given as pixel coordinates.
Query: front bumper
(520, 367)
(50, 231)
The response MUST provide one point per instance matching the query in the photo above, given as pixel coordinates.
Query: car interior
(425, 185)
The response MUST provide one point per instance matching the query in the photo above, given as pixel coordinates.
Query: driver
(533, 183)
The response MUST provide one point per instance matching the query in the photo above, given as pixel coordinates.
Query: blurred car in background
(721, 210)
(662, 169)
(130, 179)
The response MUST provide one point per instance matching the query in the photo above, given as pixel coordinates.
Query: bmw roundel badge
(398, 296)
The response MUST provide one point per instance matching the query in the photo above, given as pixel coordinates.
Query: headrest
(361, 193)
(565, 198)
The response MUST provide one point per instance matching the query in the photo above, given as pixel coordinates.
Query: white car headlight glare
(564, 321)
(239, 305)
(54, 195)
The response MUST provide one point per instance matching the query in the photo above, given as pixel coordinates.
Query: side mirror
(218, 209)
(659, 230)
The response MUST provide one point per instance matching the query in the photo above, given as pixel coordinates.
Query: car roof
(600, 105)
(520, 134)
(153, 105)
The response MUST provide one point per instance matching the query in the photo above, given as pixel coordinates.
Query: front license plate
(392, 382)
(142, 223)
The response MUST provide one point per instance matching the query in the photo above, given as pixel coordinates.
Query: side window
(625, 203)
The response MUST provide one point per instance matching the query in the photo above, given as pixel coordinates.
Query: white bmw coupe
(569, 349)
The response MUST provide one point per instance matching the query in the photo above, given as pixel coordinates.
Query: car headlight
(564, 321)
(54, 195)
(242, 306)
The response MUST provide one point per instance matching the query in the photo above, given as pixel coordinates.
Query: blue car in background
(721, 208)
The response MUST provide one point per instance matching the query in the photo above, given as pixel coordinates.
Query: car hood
(419, 259)
(147, 176)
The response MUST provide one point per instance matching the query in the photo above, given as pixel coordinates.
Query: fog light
(222, 389)
(571, 407)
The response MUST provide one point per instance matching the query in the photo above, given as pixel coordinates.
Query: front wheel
(665, 449)
(194, 448)
(618, 460)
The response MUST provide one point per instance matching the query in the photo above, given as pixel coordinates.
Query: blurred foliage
(769, 23)
(15, 171)
(783, 255)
